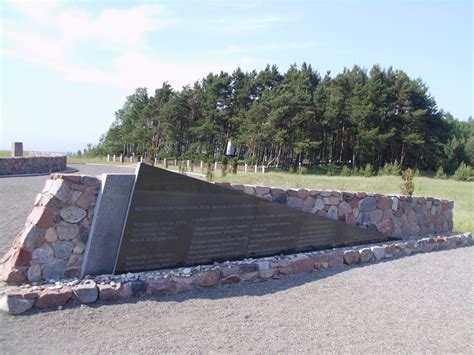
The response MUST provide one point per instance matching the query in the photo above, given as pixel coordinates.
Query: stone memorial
(101, 250)
(17, 149)
(174, 220)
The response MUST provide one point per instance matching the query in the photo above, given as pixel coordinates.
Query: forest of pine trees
(356, 118)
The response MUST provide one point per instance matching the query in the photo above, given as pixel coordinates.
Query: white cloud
(39, 11)
(113, 28)
(56, 32)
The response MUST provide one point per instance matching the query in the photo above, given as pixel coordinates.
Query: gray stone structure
(17, 149)
(32, 165)
(112, 203)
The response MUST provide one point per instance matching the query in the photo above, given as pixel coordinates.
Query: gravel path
(18, 195)
(422, 303)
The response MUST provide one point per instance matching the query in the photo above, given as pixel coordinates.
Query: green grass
(8, 153)
(462, 193)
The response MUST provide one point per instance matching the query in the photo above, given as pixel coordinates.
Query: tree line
(283, 120)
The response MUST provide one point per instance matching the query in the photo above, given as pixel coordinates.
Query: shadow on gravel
(250, 289)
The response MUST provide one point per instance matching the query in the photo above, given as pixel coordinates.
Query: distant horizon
(67, 67)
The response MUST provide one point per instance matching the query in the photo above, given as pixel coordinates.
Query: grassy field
(8, 153)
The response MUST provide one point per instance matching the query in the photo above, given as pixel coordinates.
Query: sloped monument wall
(52, 243)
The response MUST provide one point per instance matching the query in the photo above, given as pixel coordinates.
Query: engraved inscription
(174, 220)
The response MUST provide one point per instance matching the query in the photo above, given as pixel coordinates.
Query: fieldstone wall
(394, 215)
(52, 243)
(112, 288)
(32, 165)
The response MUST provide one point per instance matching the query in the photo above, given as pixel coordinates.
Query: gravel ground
(422, 303)
(18, 195)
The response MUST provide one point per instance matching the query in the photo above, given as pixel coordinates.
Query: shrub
(330, 171)
(345, 171)
(224, 164)
(385, 170)
(209, 172)
(182, 168)
(464, 173)
(369, 170)
(440, 174)
(390, 169)
(395, 168)
(235, 165)
(408, 185)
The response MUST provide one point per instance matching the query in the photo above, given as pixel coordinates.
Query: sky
(67, 66)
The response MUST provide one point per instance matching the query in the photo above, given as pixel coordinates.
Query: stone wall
(32, 165)
(52, 243)
(112, 288)
(394, 215)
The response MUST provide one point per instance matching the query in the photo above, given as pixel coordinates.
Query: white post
(141, 159)
(108, 157)
(256, 168)
(131, 159)
(188, 164)
(201, 165)
(156, 160)
(114, 158)
(121, 158)
(245, 167)
(263, 169)
(164, 162)
(215, 166)
(175, 163)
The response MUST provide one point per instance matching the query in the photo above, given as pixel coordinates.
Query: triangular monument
(174, 220)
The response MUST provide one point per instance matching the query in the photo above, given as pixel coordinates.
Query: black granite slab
(175, 220)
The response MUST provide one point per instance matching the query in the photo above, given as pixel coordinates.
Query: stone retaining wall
(52, 243)
(394, 215)
(16, 300)
(32, 165)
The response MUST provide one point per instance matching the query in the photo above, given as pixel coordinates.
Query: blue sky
(67, 66)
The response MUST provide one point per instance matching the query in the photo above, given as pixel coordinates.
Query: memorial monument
(172, 220)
